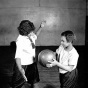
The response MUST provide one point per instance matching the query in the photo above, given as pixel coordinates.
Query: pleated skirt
(69, 79)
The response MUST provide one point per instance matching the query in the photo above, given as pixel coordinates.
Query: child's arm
(18, 62)
(40, 27)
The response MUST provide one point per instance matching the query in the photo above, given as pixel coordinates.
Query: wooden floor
(49, 77)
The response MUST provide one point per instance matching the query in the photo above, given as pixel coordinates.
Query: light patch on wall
(50, 20)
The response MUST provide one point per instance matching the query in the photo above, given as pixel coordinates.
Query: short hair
(25, 27)
(70, 36)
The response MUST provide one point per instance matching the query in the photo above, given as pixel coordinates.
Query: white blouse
(67, 58)
(24, 49)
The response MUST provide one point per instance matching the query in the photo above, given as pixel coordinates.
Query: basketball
(45, 56)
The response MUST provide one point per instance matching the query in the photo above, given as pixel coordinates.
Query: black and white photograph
(43, 43)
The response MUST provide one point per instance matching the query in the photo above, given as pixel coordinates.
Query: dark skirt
(31, 72)
(69, 79)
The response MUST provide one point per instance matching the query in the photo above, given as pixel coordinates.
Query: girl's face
(64, 42)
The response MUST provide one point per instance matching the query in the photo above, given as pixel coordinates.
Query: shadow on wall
(49, 86)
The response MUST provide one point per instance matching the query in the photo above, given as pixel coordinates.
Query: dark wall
(60, 15)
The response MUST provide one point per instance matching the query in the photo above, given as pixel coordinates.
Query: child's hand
(25, 77)
(42, 24)
(48, 65)
(23, 73)
(53, 63)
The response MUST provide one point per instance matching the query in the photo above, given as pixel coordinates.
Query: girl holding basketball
(67, 59)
